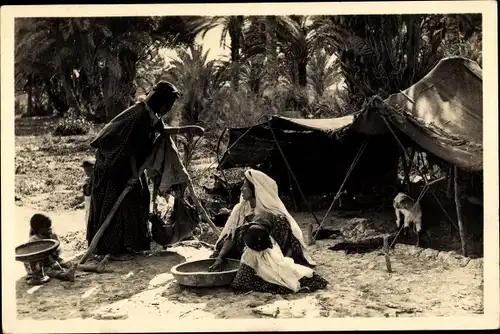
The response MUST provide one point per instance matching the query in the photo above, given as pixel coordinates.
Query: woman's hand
(217, 265)
(133, 181)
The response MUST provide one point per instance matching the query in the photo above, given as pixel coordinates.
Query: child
(88, 168)
(53, 266)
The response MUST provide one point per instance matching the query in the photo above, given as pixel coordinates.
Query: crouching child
(53, 266)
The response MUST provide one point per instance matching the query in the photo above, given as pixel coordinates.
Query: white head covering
(267, 202)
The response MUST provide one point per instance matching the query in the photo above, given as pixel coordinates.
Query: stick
(386, 254)
(107, 221)
(200, 207)
(459, 212)
(448, 189)
(104, 226)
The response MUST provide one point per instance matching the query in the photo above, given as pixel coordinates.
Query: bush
(72, 126)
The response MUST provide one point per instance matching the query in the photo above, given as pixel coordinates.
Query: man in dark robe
(123, 146)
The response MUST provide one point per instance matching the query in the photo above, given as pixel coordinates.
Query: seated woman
(267, 239)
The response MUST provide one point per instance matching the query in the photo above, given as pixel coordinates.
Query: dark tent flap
(250, 150)
(443, 112)
(253, 145)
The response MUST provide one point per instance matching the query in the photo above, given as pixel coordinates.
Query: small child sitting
(53, 266)
(88, 168)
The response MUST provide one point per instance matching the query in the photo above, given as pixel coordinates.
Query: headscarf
(267, 202)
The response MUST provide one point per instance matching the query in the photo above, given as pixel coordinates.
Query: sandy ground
(424, 282)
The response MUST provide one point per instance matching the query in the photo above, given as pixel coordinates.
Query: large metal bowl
(196, 274)
(36, 250)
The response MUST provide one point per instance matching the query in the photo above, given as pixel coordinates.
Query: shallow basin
(36, 250)
(196, 274)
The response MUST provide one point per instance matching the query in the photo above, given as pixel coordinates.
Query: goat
(412, 212)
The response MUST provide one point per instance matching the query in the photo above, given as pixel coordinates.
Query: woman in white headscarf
(261, 232)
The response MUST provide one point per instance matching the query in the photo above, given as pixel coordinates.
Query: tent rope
(422, 175)
(230, 147)
(291, 171)
(355, 161)
(219, 161)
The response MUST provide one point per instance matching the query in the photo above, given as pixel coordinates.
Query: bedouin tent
(318, 153)
(441, 114)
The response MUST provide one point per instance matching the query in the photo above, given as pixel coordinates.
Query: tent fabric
(319, 151)
(443, 112)
(328, 125)
(250, 150)
(256, 143)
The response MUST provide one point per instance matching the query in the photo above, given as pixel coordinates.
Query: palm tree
(198, 80)
(385, 54)
(232, 27)
(92, 60)
(323, 72)
(268, 35)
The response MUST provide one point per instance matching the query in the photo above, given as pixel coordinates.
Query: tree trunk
(70, 97)
(235, 35)
(30, 96)
(303, 96)
(55, 100)
(413, 28)
(118, 89)
(271, 50)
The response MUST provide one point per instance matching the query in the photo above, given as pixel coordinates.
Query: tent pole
(427, 168)
(405, 155)
(218, 164)
(230, 147)
(292, 194)
(459, 212)
(406, 175)
(354, 162)
(291, 172)
(450, 181)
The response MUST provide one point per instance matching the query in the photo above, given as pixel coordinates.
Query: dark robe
(131, 133)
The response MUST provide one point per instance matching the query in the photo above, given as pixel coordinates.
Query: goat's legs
(398, 218)
(418, 231)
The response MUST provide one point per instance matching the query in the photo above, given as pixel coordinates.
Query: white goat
(412, 212)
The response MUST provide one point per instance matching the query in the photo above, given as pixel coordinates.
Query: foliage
(385, 54)
(300, 66)
(72, 126)
(90, 63)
